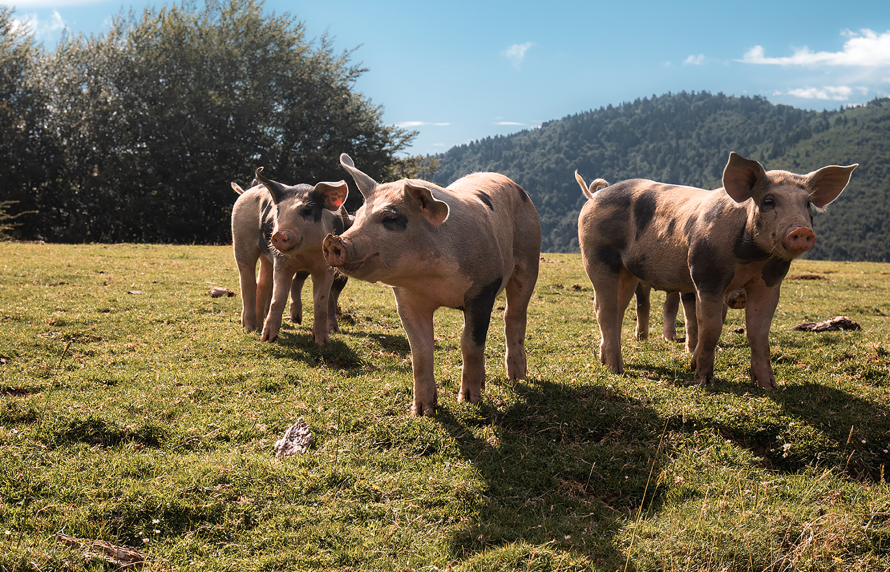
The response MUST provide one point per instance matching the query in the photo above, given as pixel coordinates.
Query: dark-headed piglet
(729, 246)
(456, 247)
(283, 227)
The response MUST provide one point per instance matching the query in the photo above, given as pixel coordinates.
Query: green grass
(148, 420)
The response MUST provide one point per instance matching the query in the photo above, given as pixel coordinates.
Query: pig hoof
(468, 396)
(768, 385)
(423, 410)
(702, 379)
(296, 318)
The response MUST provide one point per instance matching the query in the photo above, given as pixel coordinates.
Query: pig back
(648, 227)
(493, 223)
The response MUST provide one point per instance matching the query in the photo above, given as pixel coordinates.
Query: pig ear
(277, 190)
(827, 183)
(237, 188)
(434, 211)
(334, 194)
(366, 185)
(741, 176)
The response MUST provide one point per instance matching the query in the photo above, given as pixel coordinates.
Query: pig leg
(336, 287)
(613, 293)
(760, 307)
(477, 317)
(643, 307)
(417, 318)
(691, 320)
(709, 314)
(669, 315)
(519, 292)
(321, 294)
(247, 273)
(263, 291)
(296, 301)
(283, 275)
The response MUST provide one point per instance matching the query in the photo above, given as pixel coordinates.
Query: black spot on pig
(613, 229)
(485, 199)
(714, 212)
(690, 225)
(610, 257)
(744, 247)
(522, 194)
(478, 304)
(709, 269)
(670, 227)
(774, 271)
(312, 207)
(644, 211)
(339, 283)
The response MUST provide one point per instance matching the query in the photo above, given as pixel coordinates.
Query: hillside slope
(685, 138)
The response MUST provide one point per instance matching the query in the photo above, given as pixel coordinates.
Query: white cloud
(864, 49)
(829, 93)
(694, 60)
(516, 53)
(420, 124)
(39, 28)
(507, 123)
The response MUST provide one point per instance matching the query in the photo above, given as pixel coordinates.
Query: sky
(459, 71)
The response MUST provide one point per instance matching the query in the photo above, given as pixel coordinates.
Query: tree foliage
(147, 125)
(686, 138)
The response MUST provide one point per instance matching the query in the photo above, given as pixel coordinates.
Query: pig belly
(663, 271)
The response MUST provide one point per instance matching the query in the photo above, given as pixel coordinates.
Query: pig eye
(307, 212)
(768, 202)
(394, 220)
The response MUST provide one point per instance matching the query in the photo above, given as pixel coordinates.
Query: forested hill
(686, 138)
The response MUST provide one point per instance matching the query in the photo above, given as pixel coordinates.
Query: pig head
(283, 227)
(729, 246)
(456, 247)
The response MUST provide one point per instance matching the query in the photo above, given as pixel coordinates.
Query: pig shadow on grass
(848, 432)
(391, 343)
(564, 466)
(300, 345)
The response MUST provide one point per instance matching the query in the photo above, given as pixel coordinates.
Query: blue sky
(462, 70)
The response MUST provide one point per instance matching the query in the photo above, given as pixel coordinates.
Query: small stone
(296, 440)
(219, 291)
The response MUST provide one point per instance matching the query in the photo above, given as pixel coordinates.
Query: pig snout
(284, 240)
(800, 239)
(333, 250)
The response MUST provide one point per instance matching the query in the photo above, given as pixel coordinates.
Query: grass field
(134, 410)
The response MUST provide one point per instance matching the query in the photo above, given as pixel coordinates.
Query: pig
(456, 247)
(731, 246)
(283, 227)
(643, 290)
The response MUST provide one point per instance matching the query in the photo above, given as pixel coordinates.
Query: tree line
(685, 138)
(135, 135)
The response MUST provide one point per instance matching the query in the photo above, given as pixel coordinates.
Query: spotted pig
(456, 247)
(736, 241)
(283, 227)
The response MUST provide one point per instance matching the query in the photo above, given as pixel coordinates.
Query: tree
(159, 115)
(25, 156)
